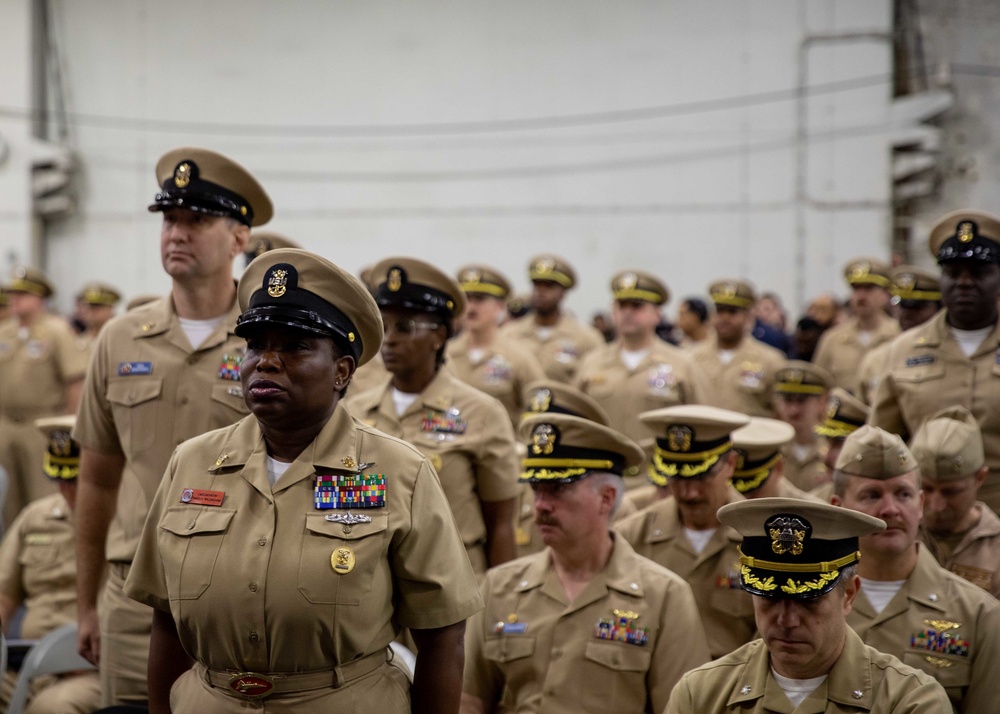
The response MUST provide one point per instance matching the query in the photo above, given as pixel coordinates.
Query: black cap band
(413, 296)
(196, 194)
(969, 244)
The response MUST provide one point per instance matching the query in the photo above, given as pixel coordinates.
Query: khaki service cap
(867, 271)
(552, 269)
(263, 241)
(4, 300)
(549, 396)
(26, 279)
(844, 414)
(62, 454)
(412, 284)
(800, 377)
(949, 445)
(793, 548)
(303, 291)
(910, 283)
(732, 293)
(207, 182)
(637, 285)
(690, 439)
(99, 294)
(875, 453)
(758, 448)
(966, 235)
(481, 280)
(562, 448)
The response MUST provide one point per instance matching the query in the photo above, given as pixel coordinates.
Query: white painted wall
(384, 127)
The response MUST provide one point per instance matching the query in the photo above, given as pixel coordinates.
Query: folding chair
(54, 654)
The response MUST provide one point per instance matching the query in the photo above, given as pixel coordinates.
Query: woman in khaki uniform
(465, 433)
(283, 554)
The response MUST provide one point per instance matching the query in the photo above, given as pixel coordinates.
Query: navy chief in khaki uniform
(466, 433)
(160, 374)
(586, 624)
(952, 359)
(799, 562)
(694, 460)
(284, 553)
(909, 606)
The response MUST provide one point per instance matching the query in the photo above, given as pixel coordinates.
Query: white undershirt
(276, 469)
(197, 331)
(797, 689)
(544, 333)
(476, 354)
(633, 358)
(969, 340)
(865, 337)
(402, 400)
(699, 539)
(726, 356)
(880, 592)
(800, 451)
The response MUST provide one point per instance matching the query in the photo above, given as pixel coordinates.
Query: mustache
(544, 520)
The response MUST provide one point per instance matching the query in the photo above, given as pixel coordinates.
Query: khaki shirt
(37, 364)
(745, 383)
(665, 377)
(940, 624)
(38, 565)
(251, 582)
(146, 392)
(927, 371)
(840, 350)
(805, 472)
(714, 574)
(529, 650)
(502, 371)
(870, 372)
(861, 680)
(976, 557)
(563, 346)
(369, 375)
(469, 440)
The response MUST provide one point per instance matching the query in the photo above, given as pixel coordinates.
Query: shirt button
(262, 541)
(253, 587)
(556, 653)
(253, 636)
(185, 400)
(192, 359)
(633, 586)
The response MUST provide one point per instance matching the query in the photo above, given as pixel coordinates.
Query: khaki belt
(256, 685)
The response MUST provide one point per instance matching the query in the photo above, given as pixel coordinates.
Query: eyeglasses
(407, 328)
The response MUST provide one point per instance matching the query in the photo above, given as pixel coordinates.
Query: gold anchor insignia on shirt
(348, 462)
(342, 560)
(219, 461)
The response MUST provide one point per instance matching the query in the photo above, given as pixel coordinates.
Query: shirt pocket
(920, 390)
(614, 676)
(337, 563)
(134, 403)
(228, 405)
(952, 672)
(189, 541)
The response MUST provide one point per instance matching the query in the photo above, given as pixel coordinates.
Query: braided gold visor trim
(794, 388)
(752, 479)
(927, 295)
(552, 276)
(663, 466)
(822, 567)
(732, 300)
(791, 587)
(544, 474)
(484, 289)
(835, 429)
(23, 285)
(870, 279)
(61, 468)
(636, 294)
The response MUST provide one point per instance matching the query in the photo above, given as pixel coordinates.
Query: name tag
(917, 361)
(202, 497)
(131, 369)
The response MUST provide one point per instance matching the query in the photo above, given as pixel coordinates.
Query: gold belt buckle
(251, 685)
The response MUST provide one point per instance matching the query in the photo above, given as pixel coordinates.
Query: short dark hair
(697, 306)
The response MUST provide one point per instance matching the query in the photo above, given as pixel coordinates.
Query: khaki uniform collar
(937, 333)
(161, 318)
(669, 527)
(620, 574)
(336, 448)
(925, 586)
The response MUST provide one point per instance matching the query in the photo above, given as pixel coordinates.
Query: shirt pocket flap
(921, 373)
(507, 649)
(949, 670)
(186, 521)
(347, 531)
(619, 657)
(134, 390)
